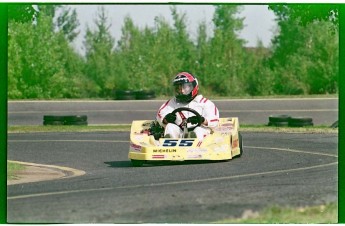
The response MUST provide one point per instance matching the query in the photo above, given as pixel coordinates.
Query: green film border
(341, 137)
(3, 112)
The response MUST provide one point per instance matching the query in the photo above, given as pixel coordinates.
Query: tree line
(43, 64)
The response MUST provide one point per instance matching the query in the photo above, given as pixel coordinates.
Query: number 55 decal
(173, 143)
(186, 143)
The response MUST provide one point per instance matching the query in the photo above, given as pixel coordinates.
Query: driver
(186, 95)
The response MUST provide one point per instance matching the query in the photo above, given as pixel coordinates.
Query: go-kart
(147, 143)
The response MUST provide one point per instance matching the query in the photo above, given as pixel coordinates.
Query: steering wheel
(192, 111)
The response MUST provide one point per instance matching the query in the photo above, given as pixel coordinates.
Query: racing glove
(170, 118)
(195, 120)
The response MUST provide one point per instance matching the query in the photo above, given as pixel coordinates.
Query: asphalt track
(323, 111)
(275, 169)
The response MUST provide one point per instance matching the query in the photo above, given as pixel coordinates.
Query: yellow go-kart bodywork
(224, 143)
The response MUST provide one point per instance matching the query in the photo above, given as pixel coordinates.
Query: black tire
(137, 163)
(125, 95)
(241, 144)
(75, 118)
(53, 118)
(150, 97)
(334, 125)
(279, 118)
(55, 123)
(144, 94)
(300, 121)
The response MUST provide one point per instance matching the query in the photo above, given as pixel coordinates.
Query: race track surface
(275, 169)
(323, 111)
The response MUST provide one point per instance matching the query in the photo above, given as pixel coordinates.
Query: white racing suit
(203, 106)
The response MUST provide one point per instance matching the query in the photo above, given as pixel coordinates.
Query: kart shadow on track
(119, 164)
(125, 164)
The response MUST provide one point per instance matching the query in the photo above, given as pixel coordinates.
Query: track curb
(34, 173)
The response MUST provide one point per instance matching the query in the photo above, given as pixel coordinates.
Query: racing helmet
(186, 87)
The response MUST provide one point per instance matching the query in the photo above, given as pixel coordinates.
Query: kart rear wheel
(137, 163)
(241, 145)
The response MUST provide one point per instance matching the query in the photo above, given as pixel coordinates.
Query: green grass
(12, 169)
(126, 127)
(324, 214)
(306, 129)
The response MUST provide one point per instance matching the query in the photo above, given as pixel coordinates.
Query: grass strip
(273, 129)
(12, 169)
(323, 214)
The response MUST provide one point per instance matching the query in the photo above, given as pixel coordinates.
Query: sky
(259, 22)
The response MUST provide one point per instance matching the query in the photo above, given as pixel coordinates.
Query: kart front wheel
(137, 163)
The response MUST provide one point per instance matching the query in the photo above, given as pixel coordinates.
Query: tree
(68, 23)
(99, 46)
(316, 63)
(22, 12)
(165, 61)
(202, 52)
(259, 78)
(305, 58)
(38, 65)
(32, 76)
(224, 74)
(184, 47)
(307, 13)
(152, 56)
(48, 9)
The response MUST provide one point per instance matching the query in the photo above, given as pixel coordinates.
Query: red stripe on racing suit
(159, 111)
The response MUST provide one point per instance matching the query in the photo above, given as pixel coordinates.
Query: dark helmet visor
(184, 88)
